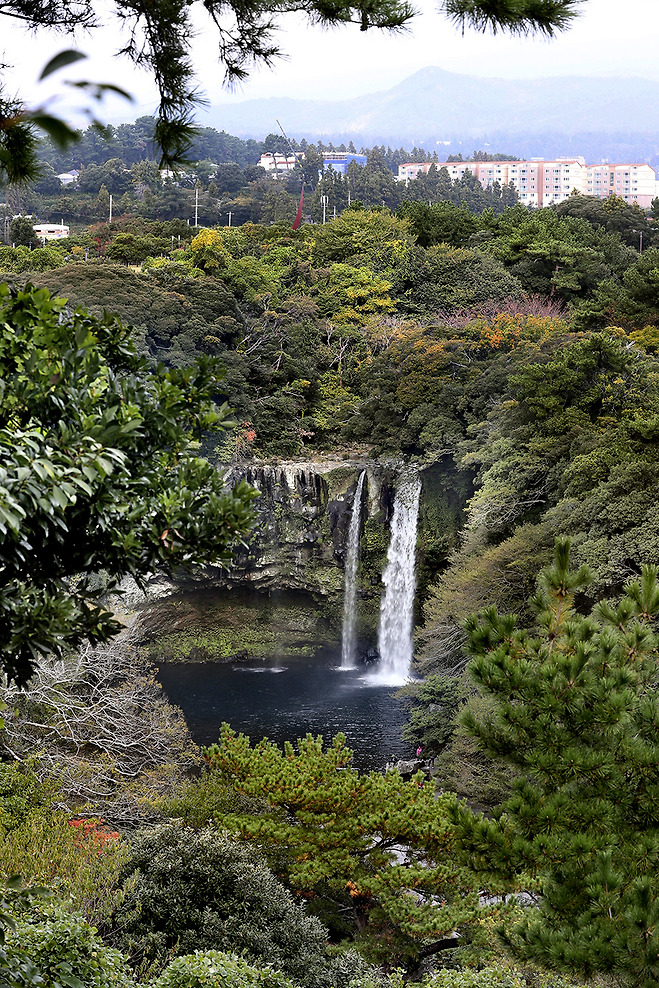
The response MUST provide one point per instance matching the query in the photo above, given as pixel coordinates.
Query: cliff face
(304, 514)
(285, 590)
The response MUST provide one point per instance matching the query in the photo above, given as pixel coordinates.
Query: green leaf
(83, 485)
(58, 131)
(100, 88)
(67, 57)
(71, 981)
(60, 497)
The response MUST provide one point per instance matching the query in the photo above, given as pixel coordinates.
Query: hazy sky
(611, 38)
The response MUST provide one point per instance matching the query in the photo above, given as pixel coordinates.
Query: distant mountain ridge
(434, 106)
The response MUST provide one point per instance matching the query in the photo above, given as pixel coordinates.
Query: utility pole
(196, 206)
(110, 220)
(229, 218)
(325, 202)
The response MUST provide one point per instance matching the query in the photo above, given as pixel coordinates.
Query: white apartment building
(280, 163)
(539, 182)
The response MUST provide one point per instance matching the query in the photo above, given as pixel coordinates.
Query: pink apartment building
(539, 182)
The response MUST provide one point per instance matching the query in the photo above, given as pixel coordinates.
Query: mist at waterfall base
(285, 701)
(324, 690)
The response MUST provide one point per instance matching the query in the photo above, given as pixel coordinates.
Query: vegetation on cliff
(518, 350)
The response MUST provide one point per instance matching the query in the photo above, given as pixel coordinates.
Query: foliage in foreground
(44, 945)
(197, 890)
(342, 834)
(215, 969)
(577, 715)
(48, 946)
(96, 473)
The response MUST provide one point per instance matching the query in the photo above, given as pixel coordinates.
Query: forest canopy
(511, 356)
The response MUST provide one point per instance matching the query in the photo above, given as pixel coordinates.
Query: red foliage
(91, 835)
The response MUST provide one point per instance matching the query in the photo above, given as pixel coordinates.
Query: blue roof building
(339, 160)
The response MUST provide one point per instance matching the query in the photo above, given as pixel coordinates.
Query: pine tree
(376, 846)
(577, 715)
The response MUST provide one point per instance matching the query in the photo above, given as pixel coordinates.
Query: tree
(378, 847)
(129, 249)
(370, 238)
(160, 38)
(21, 232)
(98, 722)
(613, 213)
(432, 706)
(196, 890)
(97, 473)
(576, 714)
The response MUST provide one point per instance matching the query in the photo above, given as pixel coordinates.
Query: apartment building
(539, 182)
(280, 164)
(339, 160)
(634, 183)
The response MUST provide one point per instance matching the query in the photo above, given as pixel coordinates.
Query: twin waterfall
(397, 607)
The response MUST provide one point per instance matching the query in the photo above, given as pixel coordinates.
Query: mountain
(433, 106)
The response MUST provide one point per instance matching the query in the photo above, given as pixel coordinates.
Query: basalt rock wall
(284, 592)
(303, 516)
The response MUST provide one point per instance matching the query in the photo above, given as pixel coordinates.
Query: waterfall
(348, 646)
(397, 607)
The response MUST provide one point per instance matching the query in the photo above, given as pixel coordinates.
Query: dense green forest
(435, 323)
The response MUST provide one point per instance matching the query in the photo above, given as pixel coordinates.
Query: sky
(611, 38)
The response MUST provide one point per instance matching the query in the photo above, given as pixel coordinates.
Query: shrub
(214, 969)
(198, 890)
(65, 950)
(21, 792)
(80, 862)
(496, 977)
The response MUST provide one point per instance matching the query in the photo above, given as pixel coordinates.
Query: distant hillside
(614, 118)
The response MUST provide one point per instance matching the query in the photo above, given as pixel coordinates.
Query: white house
(51, 231)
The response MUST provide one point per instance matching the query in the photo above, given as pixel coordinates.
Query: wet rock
(371, 657)
(410, 767)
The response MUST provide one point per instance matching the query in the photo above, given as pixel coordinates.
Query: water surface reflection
(285, 700)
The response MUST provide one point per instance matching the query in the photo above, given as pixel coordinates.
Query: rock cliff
(284, 592)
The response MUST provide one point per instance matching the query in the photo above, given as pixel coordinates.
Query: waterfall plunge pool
(283, 700)
(305, 686)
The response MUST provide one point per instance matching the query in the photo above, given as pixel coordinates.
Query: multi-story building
(280, 164)
(633, 182)
(539, 182)
(339, 160)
